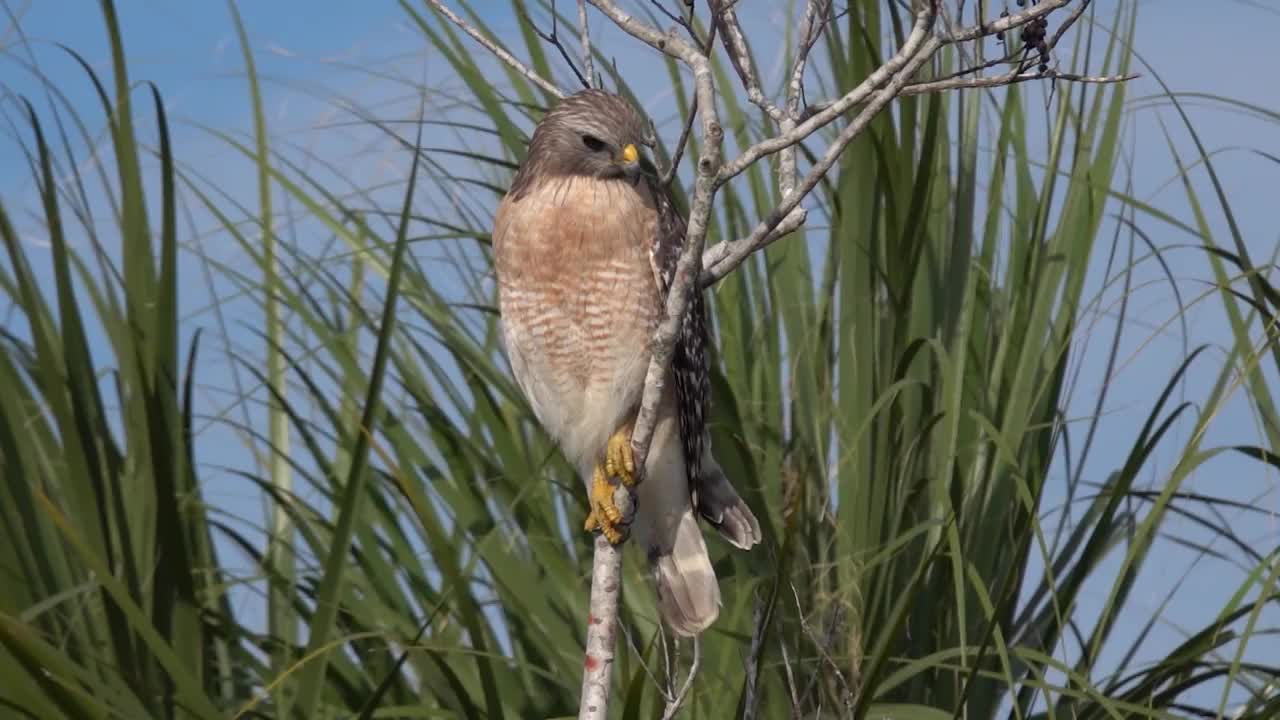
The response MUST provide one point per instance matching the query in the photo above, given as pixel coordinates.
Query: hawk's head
(592, 133)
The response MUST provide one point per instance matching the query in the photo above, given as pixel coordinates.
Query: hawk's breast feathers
(579, 302)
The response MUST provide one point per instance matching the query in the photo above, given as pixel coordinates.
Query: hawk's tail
(687, 589)
(666, 529)
(688, 594)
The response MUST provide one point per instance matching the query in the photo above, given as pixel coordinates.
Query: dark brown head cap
(591, 133)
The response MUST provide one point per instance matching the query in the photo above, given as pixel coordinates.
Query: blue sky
(307, 51)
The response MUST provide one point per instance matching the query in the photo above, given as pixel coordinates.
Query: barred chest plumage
(579, 303)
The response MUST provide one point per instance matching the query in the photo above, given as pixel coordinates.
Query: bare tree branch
(602, 624)
(728, 255)
(584, 33)
(909, 50)
(497, 50)
(721, 259)
(1003, 24)
(735, 44)
(816, 16)
(670, 174)
(608, 559)
(725, 256)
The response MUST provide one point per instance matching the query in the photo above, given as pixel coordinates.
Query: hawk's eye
(593, 143)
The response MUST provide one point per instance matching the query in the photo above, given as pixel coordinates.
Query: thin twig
(921, 88)
(553, 38)
(497, 50)
(674, 702)
(822, 648)
(1005, 59)
(686, 23)
(631, 643)
(1076, 12)
(667, 652)
(584, 35)
(669, 176)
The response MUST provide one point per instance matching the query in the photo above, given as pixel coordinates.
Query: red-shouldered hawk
(585, 245)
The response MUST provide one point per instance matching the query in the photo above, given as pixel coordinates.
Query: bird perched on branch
(586, 243)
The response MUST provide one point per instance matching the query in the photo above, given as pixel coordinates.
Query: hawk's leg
(605, 515)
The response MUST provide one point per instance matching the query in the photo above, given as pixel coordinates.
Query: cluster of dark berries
(1033, 37)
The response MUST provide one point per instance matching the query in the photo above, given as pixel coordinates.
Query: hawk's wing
(689, 363)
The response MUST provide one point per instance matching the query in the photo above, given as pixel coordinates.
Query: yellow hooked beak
(628, 162)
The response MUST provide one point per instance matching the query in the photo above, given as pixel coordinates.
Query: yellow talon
(605, 515)
(618, 463)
